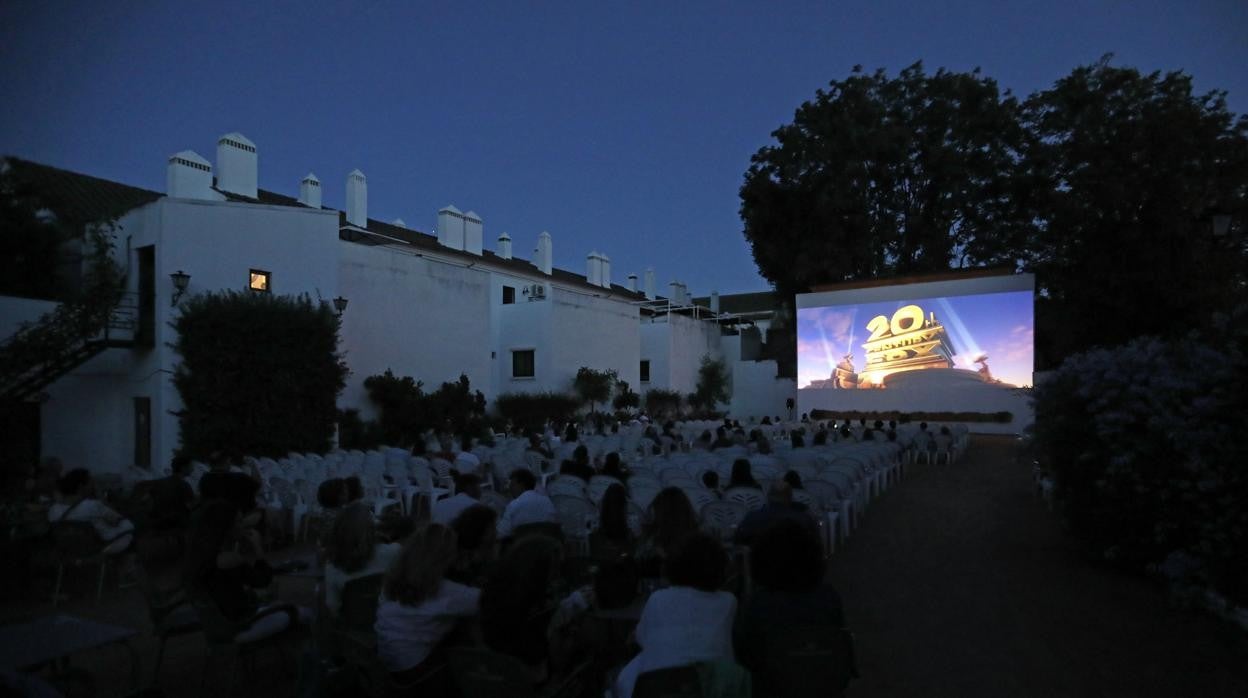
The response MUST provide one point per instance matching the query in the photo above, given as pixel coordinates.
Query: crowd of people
(462, 572)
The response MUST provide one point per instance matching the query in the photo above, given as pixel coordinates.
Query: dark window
(522, 363)
(509, 295)
(259, 281)
(645, 371)
(145, 333)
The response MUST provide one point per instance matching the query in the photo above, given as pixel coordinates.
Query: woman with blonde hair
(419, 607)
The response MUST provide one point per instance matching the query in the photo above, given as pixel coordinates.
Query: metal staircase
(39, 354)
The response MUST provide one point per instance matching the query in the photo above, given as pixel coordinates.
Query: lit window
(645, 371)
(522, 365)
(259, 281)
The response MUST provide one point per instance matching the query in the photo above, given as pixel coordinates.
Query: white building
(432, 306)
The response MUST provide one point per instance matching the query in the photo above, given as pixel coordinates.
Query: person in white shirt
(353, 552)
(468, 492)
(76, 502)
(690, 621)
(419, 607)
(529, 505)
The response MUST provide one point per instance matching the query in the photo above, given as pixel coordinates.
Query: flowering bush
(1147, 444)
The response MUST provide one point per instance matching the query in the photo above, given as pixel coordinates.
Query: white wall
(592, 331)
(414, 315)
(690, 341)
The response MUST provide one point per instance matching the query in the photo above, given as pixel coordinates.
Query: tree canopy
(1104, 185)
(879, 176)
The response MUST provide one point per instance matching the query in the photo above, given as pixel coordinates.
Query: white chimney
(673, 293)
(357, 199)
(684, 294)
(605, 261)
(593, 269)
(236, 165)
(632, 282)
(473, 232)
(544, 254)
(310, 191)
(399, 222)
(451, 228)
(188, 176)
(650, 294)
(504, 246)
(715, 302)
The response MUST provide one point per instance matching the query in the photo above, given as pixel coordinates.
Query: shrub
(625, 398)
(260, 374)
(660, 402)
(1146, 443)
(406, 411)
(533, 410)
(713, 385)
(593, 386)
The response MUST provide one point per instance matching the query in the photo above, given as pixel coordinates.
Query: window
(645, 371)
(509, 295)
(259, 281)
(522, 363)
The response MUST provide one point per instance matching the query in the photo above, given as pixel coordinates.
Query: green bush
(663, 403)
(625, 399)
(260, 374)
(406, 411)
(1146, 443)
(532, 410)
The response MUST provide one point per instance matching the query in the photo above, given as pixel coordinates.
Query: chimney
(473, 232)
(605, 261)
(504, 246)
(451, 228)
(673, 295)
(593, 271)
(236, 165)
(684, 294)
(357, 199)
(632, 282)
(715, 302)
(188, 176)
(399, 222)
(650, 294)
(544, 253)
(310, 191)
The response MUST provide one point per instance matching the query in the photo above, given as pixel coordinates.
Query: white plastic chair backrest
(747, 496)
(598, 485)
(576, 516)
(699, 497)
(826, 493)
(804, 497)
(566, 485)
(723, 515)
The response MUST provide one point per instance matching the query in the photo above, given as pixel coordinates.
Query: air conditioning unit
(536, 292)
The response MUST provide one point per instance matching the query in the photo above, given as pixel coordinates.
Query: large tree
(1128, 172)
(880, 175)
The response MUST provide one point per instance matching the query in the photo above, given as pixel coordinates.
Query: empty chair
(722, 517)
(748, 496)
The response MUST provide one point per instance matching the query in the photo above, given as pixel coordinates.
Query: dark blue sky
(622, 127)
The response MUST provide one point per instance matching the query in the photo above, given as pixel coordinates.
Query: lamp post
(340, 304)
(180, 281)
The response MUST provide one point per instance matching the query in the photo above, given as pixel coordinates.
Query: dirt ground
(960, 582)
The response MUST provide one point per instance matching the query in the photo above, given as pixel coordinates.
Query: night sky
(620, 127)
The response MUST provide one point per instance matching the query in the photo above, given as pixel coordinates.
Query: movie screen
(884, 344)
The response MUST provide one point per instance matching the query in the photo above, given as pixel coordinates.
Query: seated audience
(467, 493)
(332, 494)
(467, 462)
(821, 438)
(780, 505)
(579, 465)
(225, 567)
(353, 552)
(793, 478)
(612, 467)
(172, 496)
(788, 570)
(722, 440)
(742, 476)
(536, 446)
(517, 605)
(796, 439)
(688, 622)
(613, 537)
(528, 505)
(704, 442)
(419, 606)
(231, 483)
(76, 501)
(669, 518)
(710, 480)
(477, 535)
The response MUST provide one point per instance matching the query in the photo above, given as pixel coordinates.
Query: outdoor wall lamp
(180, 281)
(340, 304)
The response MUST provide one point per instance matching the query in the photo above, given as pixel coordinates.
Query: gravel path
(961, 583)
